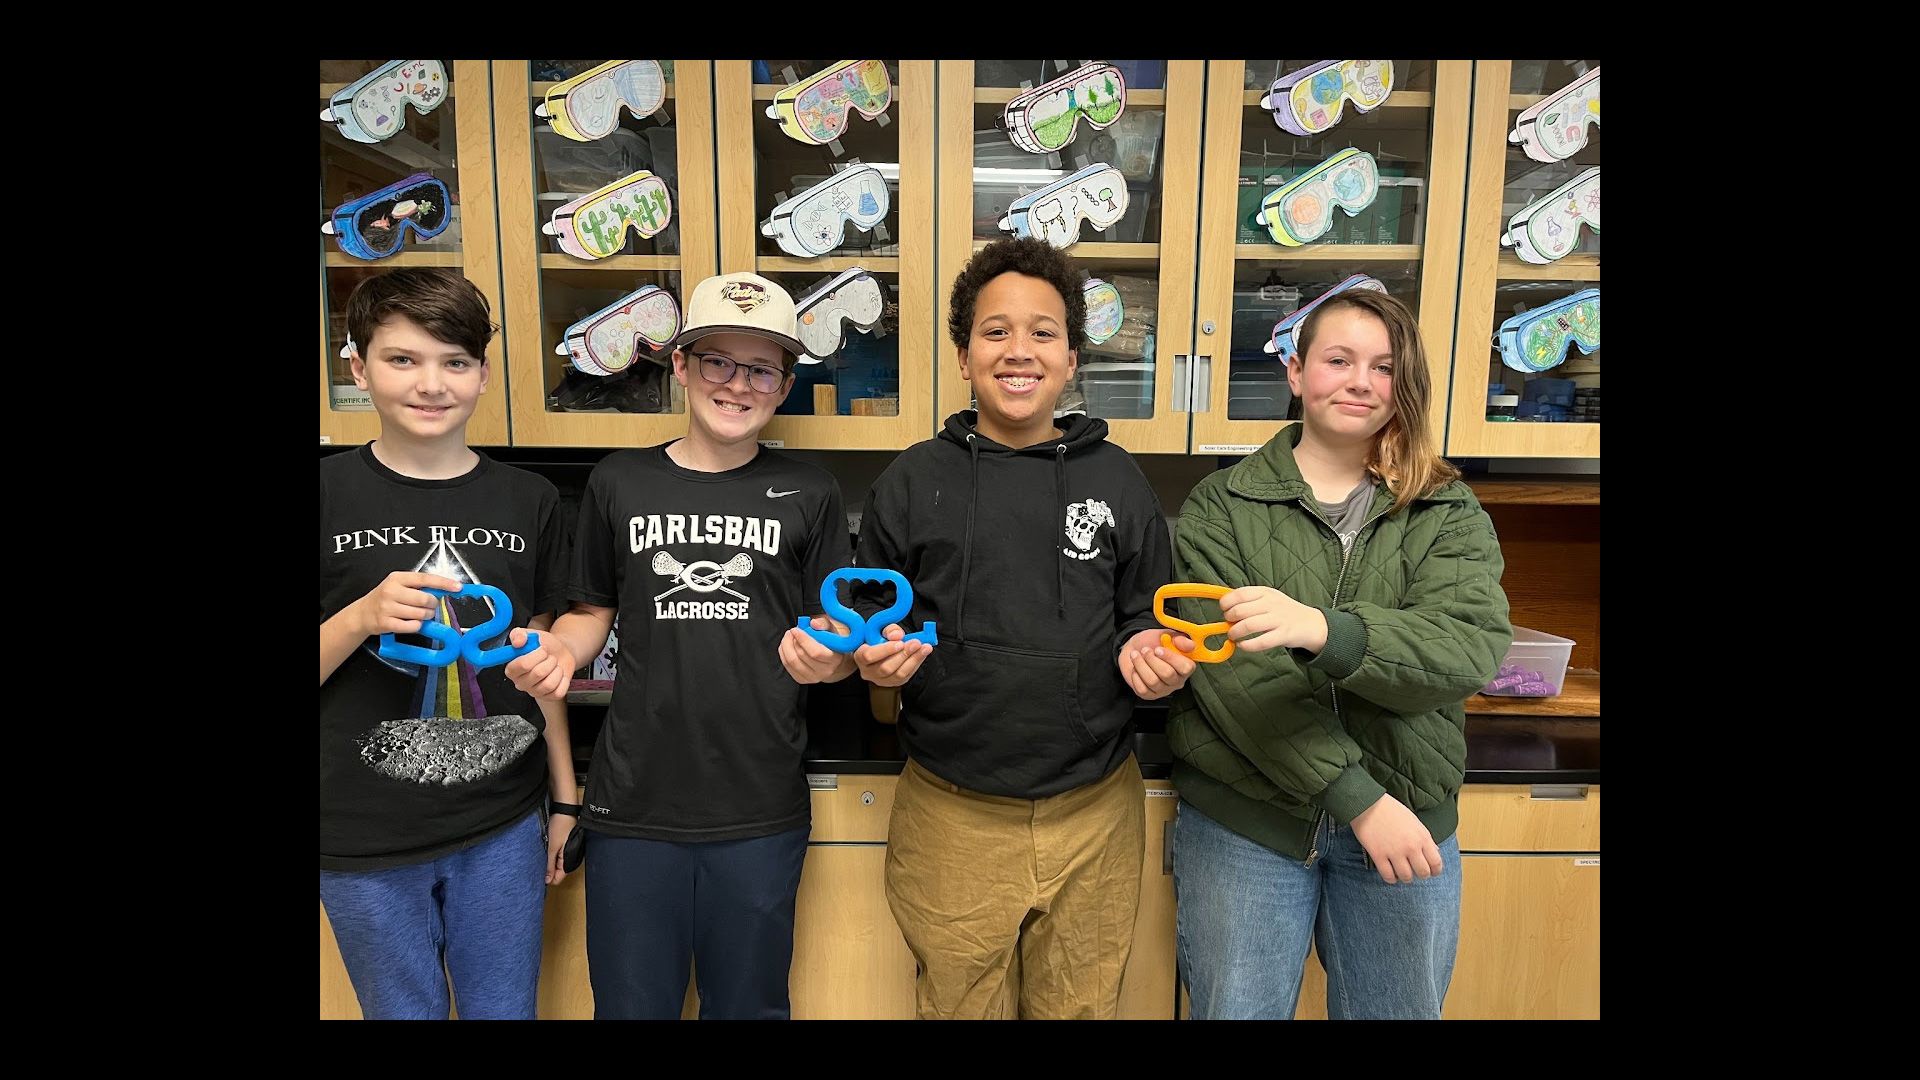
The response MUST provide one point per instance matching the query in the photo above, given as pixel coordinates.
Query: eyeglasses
(609, 340)
(1301, 210)
(1549, 227)
(852, 296)
(718, 368)
(375, 226)
(1285, 342)
(1104, 310)
(594, 226)
(1311, 100)
(814, 110)
(1043, 119)
(812, 223)
(587, 106)
(1097, 193)
(1555, 128)
(373, 108)
(1536, 340)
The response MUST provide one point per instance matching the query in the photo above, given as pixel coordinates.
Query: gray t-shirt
(1348, 515)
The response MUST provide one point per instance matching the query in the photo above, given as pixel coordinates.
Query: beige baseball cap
(742, 303)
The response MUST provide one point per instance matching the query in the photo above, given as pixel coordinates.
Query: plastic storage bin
(1535, 665)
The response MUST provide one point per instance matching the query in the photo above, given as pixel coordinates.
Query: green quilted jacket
(1268, 743)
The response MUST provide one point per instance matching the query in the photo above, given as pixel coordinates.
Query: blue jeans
(725, 905)
(477, 911)
(1247, 913)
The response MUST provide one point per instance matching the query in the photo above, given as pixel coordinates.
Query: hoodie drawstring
(966, 549)
(1059, 560)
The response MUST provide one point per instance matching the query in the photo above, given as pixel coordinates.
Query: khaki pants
(1017, 907)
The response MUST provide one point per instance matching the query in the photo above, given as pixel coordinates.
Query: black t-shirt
(418, 761)
(706, 732)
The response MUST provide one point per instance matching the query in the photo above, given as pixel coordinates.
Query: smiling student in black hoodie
(1013, 857)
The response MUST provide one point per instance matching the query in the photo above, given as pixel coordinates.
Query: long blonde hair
(1404, 455)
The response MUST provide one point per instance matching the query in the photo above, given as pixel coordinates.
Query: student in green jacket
(1319, 767)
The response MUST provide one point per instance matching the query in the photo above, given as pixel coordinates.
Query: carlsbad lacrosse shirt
(706, 732)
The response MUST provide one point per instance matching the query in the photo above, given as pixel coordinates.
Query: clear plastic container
(1535, 665)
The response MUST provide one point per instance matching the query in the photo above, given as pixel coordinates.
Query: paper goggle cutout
(853, 296)
(374, 226)
(594, 226)
(609, 340)
(1536, 340)
(862, 630)
(1313, 99)
(1104, 310)
(1555, 128)
(1199, 632)
(814, 110)
(1097, 193)
(1285, 342)
(587, 106)
(453, 643)
(1301, 210)
(373, 108)
(1549, 227)
(812, 223)
(1043, 119)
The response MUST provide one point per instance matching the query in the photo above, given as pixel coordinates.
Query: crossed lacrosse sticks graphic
(704, 576)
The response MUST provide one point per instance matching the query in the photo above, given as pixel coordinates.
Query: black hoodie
(1036, 565)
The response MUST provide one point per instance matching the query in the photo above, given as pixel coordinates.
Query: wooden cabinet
(1147, 989)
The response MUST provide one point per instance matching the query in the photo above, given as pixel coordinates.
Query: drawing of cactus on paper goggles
(813, 222)
(587, 106)
(374, 226)
(814, 110)
(1285, 342)
(1043, 119)
(1313, 99)
(1536, 340)
(1555, 127)
(1097, 193)
(852, 296)
(608, 341)
(594, 225)
(373, 108)
(1301, 210)
(1549, 227)
(1104, 310)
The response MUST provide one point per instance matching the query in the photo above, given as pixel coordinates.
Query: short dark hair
(440, 301)
(1027, 255)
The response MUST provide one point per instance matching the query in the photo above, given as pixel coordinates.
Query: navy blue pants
(727, 906)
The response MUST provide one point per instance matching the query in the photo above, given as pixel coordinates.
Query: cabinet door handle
(1182, 383)
(1558, 792)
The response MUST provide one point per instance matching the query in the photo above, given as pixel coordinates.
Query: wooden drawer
(1521, 817)
(855, 811)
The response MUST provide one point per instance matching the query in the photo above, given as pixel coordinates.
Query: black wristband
(571, 809)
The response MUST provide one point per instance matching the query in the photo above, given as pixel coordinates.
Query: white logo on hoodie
(1082, 519)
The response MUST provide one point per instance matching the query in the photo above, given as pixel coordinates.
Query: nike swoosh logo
(772, 494)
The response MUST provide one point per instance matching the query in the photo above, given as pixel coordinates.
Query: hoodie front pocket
(995, 700)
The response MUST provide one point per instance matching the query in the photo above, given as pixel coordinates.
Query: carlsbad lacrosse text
(652, 530)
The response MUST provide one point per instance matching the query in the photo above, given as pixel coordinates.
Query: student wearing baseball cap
(696, 808)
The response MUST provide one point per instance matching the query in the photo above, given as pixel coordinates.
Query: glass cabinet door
(1014, 131)
(1321, 174)
(400, 186)
(607, 220)
(826, 187)
(1527, 363)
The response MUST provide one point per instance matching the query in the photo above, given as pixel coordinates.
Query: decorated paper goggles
(1104, 310)
(812, 223)
(609, 340)
(594, 226)
(587, 106)
(1537, 340)
(853, 296)
(373, 108)
(1311, 100)
(1300, 211)
(1097, 193)
(814, 110)
(373, 226)
(1555, 127)
(1549, 227)
(1043, 119)
(1285, 342)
